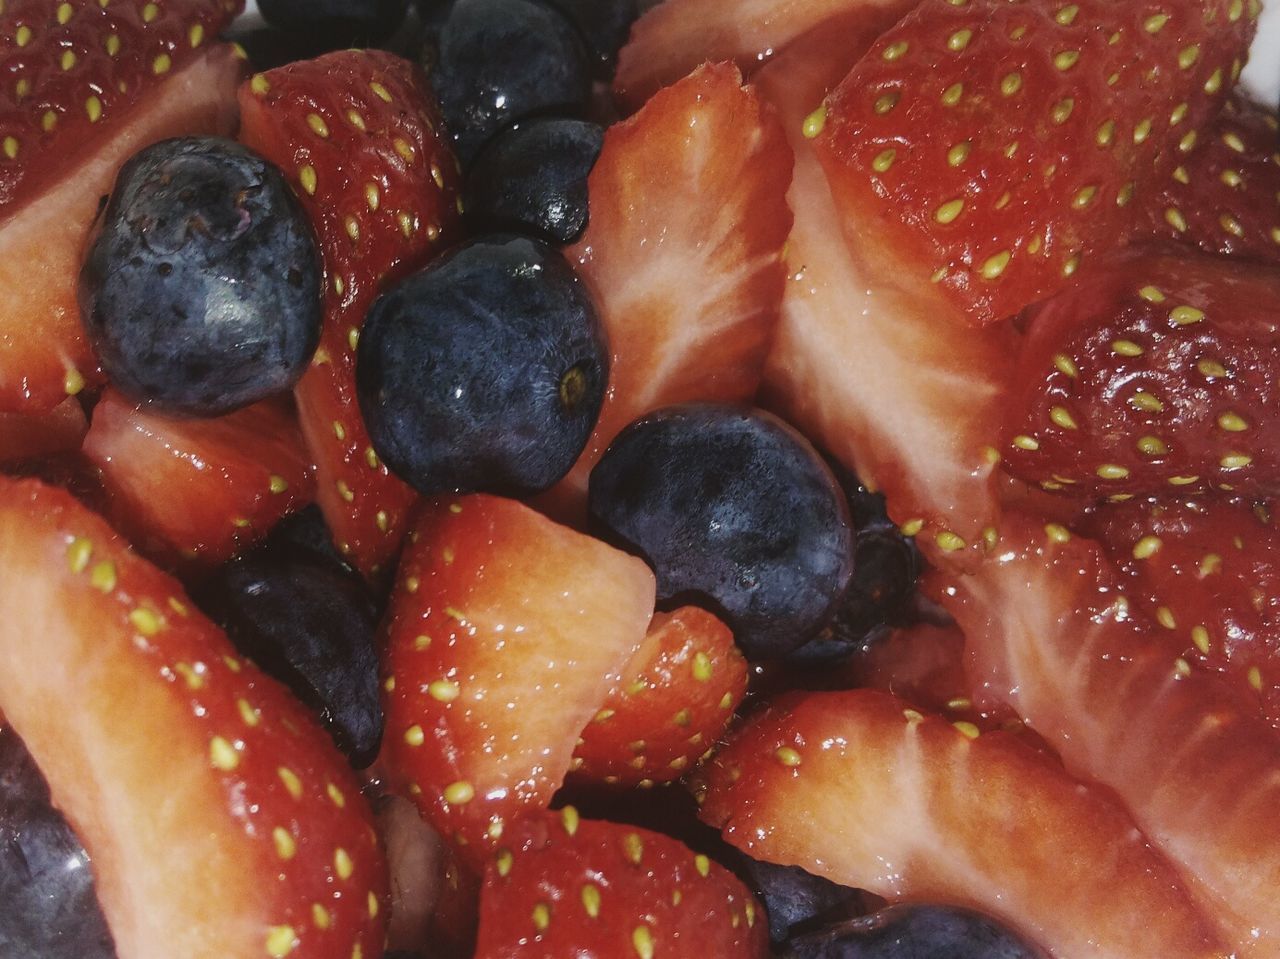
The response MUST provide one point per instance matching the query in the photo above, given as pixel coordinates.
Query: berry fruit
(914, 932)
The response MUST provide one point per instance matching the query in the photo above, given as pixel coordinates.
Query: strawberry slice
(199, 490)
(873, 371)
(983, 149)
(505, 634)
(1207, 570)
(1225, 197)
(564, 886)
(863, 790)
(683, 253)
(86, 85)
(359, 134)
(28, 435)
(1051, 634)
(672, 705)
(219, 818)
(1158, 372)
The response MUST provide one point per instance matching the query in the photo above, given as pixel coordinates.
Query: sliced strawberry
(1158, 372)
(359, 133)
(675, 36)
(27, 435)
(672, 705)
(563, 886)
(873, 371)
(219, 818)
(86, 85)
(683, 253)
(1225, 197)
(506, 632)
(1207, 570)
(983, 149)
(1051, 634)
(864, 790)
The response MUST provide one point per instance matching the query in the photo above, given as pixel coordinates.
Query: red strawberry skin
(672, 705)
(24, 436)
(360, 137)
(219, 818)
(564, 886)
(1158, 373)
(198, 490)
(505, 634)
(862, 789)
(990, 147)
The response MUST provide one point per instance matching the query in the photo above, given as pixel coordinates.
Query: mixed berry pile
(547, 479)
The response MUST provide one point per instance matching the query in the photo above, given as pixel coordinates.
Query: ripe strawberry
(672, 705)
(199, 490)
(1207, 570)
(1050, 633)
(359, 133)
(861, 789)
(874, 373)
(562, 886)
(1225, 197)
(86, 84)
(983, 149)
(220, 820)
(505, 634)
(27, 435)
(1156, 373)
(683, 253)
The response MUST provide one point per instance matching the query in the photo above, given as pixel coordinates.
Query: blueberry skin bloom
(731, 506)
(200, 292)
(485, 371)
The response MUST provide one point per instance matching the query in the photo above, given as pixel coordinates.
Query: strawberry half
(506, 632)
(1225, 197)
(564, 886)
(359, 134)
(985, 148)
(672, 705)
(28, 435)
(199, 490)
(219, 818)
(863, 790)
(1157, 372)
(683, 254)
(86, 84)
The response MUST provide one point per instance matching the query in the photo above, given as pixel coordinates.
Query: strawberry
(683, 253)
(27, 435)
(1157, 372)
(672, 705)
(866, 791)
(562, 886)
(506, 631)
(1207, 570)
(219, 818)
(359, 133)
(877, 374)
(984, 149)
(1051, 634)
(198, 490)
(1225, 197)
(86, 84)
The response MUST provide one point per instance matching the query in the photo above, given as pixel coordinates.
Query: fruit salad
(593, 479)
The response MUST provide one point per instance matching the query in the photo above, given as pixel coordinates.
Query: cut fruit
(28, 435)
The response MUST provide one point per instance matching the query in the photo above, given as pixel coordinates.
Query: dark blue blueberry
(914, 932)
(734, 507)
(499, 61)
(201, 289)
(49, 908)
(484, 371)
(533, 178)
(604, 24)
(310, 622)
(352, 22)
(796, 900)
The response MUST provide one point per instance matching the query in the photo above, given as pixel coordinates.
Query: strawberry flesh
(29, 435)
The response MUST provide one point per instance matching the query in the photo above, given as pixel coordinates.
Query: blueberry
(499, 61)
(201, 289)
(914, 932)
(796, 900)
(732, 506)
(485, 371)
(533, 178)
(604, 24)
(353, 22)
